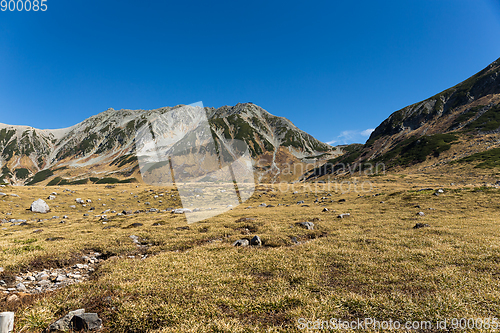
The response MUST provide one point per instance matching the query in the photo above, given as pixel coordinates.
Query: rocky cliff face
(104, 145)
(470, 106)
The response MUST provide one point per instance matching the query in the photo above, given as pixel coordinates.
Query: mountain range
(458, 125)
(101, 149)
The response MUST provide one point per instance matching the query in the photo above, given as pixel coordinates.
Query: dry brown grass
(371, 264)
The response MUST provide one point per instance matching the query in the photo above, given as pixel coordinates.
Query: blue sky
(335, 68)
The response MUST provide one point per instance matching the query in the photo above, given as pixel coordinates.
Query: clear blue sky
(335, 68)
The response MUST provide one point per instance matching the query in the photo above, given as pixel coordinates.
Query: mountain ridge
(103, 144)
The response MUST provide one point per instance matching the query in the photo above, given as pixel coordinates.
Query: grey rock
(262, 205)
(421, 225)
(51, 197)
(61, 278)
(343, 215)
(325, 210)
(40, 206)
(79, 200)
(64, 324)
(256, 241)
(21, 287)
(300, 202)
(86, 321)
(241, 242)
(420, 214)
(181, 211)
(307, 225)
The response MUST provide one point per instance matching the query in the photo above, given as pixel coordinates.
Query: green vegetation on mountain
(416, 149)
(488, 121)
(5, 173)
(40, 176)
(488, 159)
(22, 173)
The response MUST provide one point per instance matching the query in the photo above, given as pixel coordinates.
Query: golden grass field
(370, 264)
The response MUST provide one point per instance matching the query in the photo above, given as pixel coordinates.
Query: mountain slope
(469, 110)
(104, 145)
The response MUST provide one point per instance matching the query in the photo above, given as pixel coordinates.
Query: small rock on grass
(421, 225)
(307, 225)
(86, 321)
(241, 242)
(256, 241)
(39, 206)
(64, 324)
(344, 215)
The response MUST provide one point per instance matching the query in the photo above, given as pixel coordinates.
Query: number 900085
(23, 5)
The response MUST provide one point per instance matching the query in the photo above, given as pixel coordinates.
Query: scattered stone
(79, 200)
(39, 206)
(86, 321)
(325, 210)
(37, 231)
(135, 225)
(52, 239)
(245, 219)
(51, 197)
(341, 200)
(300, 202)
(61, 278)
(256, 241)
(262, 205)
(420, 214)
(21, 287)
(64, 324)
(421, 225)
(241, 242)
(181, 211)
(343, 215)
(307, 225)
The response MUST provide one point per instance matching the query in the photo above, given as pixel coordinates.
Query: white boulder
(40, 206)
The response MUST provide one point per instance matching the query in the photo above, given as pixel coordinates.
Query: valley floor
(180, 277)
